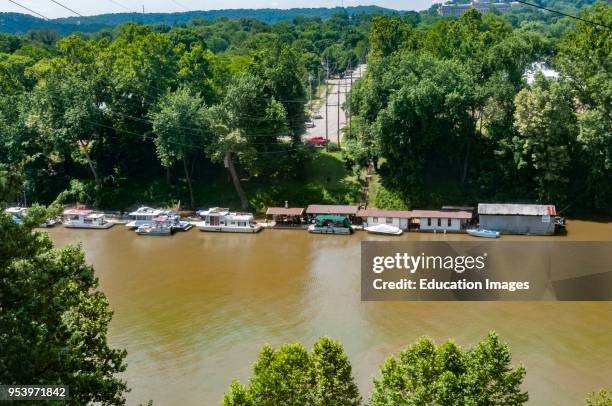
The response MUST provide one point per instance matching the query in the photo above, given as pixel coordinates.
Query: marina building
(334, 209)
(396, 218)
(455, 10)
(442, 220)
(518, 218)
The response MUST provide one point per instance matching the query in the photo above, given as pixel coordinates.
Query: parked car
(317, 116)
(310, 124)
(316, 142)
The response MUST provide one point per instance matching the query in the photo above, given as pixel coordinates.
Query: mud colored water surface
(193, 310)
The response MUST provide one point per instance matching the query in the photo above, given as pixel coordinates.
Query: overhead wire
(67, 8)
(29, 9)
(563, 14)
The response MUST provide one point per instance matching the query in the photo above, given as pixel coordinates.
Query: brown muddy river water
(193, 311)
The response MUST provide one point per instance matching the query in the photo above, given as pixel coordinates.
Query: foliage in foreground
(53, 321)
(423, 374)
(293, 376)
(602, 398)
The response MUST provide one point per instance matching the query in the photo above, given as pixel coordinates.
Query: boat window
(449, 222)
(429, 221)
(439, 222)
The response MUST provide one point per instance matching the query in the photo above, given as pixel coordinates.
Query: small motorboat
(384, 229)
(481, 232)
(160, 227)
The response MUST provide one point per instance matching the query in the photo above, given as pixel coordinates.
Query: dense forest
(446, 112)
(161, 113)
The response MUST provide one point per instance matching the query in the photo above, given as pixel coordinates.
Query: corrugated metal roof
(459, 214)
(332, 209)
(507, 209)
(404, 214)
(285, 211)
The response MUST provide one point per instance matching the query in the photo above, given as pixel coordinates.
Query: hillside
(16, 23)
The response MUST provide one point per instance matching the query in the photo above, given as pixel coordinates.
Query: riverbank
(193, 312)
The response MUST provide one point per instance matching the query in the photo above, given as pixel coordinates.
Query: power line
(29, 9)
(564, 14)
(67, 8)
(116, 3)
(180, 5)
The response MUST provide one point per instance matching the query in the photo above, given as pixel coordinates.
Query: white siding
(395, 221)
(454, 226)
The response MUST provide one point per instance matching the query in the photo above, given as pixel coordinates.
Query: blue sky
(92, 7)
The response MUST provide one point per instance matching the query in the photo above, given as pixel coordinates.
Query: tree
(68, 103)
(179, 122)
(246, 126)
(53, 318)
(293, 376)
(428, 374)
(546, 124)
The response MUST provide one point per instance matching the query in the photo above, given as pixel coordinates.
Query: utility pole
(338, 107)
(326, 103)
(350, 117)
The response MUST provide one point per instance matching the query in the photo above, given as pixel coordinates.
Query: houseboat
(18, 214)
(177, 224)
(331, 224)
(84, 218)
(144, 215)
(160, 226)
(222, 220)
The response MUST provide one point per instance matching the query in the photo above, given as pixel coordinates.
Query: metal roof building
(518, 218)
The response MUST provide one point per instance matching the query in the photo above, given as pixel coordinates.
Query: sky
(93, 7)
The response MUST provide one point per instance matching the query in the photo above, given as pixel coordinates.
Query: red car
(317, 141)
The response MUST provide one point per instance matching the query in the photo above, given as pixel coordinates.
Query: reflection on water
(193, 311)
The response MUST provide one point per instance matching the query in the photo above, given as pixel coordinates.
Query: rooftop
(405, 214)
(285, 211)
(457, 214)
(508, 209)
(332, 209)
(77, 212)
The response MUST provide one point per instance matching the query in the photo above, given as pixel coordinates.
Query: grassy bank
(325, 180)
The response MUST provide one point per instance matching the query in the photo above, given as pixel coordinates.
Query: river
(193, 310)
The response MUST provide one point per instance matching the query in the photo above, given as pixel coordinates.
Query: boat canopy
(330, 217)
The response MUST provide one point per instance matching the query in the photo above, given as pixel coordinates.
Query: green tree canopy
(53, 318)
(425, 373)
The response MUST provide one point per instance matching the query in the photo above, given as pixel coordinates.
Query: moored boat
(384, 229)
(85, 218)
(160, 226)
(481, 232)
(330, 224)
(219, 219)
(144, 215)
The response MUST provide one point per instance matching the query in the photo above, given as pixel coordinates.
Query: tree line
(449, 114)
(86, 117)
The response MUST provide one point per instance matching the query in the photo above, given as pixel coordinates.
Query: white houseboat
(160, 226)
(19, 213)
(222, 220)
(84, 218)
(144, 215)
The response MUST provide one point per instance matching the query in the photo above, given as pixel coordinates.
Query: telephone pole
(326, 101)
(338, 107)
(350, 117)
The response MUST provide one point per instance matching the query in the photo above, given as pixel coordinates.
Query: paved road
(344, 85)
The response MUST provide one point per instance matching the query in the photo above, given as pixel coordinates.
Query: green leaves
(54, 321)
(447, 375)
(293, 376)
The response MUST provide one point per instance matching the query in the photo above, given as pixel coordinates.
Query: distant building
(334, 209)
(482, 6)
(397, 218)
(518, 218)
(442, 220)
